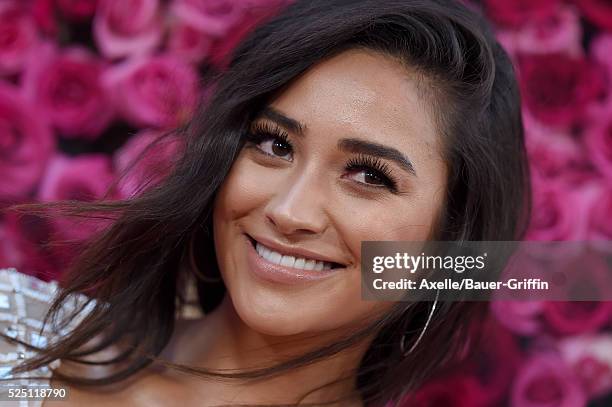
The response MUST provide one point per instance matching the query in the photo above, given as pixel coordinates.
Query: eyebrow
(291, 124)
(353, 145)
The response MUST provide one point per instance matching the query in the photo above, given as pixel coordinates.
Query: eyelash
(264, 132)
(380, 169)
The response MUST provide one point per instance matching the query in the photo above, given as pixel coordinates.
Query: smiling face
(348, 152)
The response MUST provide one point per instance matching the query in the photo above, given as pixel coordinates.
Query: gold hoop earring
(414, 345)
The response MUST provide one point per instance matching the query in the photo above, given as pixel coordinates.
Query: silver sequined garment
(24, 301)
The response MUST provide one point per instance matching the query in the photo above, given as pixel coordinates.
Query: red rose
(557, 88)
(516, 12)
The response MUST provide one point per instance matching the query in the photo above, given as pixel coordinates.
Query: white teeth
(274, 257)
(290, 261)
(287, 261)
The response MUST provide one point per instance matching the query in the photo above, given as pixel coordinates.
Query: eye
(271, 140)
(371, 172)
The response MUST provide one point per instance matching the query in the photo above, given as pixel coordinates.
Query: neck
(222, 341)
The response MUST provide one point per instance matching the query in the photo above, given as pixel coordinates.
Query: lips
(278, 273)
(262, 248)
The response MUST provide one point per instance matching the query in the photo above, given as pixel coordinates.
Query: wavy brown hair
(137, 268)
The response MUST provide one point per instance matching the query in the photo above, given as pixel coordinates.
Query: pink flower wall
(85, 86)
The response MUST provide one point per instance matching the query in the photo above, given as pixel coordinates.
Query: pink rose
(557, 88)
(600, 50)
(590, 357)
(43, 12)
(255, 15)
(25, 144)
(600, 222)
(574, 317)
(159, 91)
(546, 381)
(68, 89)
(188, 42)
(77, 10)
(598, 11)
(521, 317)
(84, 178)
(152, 168)
(554, 153)
(493, 364)
(127, 27)
(598, 140)
(215, 17)
(516, 13)
(18, 35)
(559, 32)
(453, 391)
(558, 214)
(586, 286)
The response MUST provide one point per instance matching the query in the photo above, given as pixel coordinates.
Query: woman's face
(361, 161)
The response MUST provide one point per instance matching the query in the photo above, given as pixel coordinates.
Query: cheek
(358, 220)
(240, 192)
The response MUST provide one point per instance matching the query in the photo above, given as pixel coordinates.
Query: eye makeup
(374, 168)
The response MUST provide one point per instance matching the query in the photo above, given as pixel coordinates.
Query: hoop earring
(196, 270)
(414, 345)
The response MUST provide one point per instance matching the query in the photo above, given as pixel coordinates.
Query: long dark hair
(136, 269)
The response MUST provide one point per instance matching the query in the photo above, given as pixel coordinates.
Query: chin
(268, 315)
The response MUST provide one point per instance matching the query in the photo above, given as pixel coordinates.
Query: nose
(298, 207)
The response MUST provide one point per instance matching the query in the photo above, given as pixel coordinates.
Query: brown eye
(372, 172)
(368, 176)
(276, 148)
(280, 148)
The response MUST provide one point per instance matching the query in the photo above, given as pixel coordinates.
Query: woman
(336, 122)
